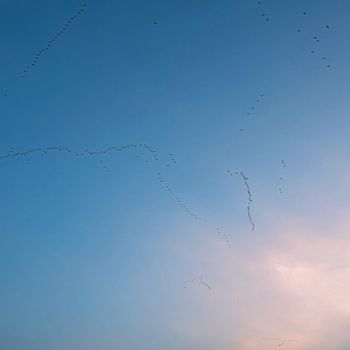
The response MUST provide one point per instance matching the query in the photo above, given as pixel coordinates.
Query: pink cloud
(291, 293)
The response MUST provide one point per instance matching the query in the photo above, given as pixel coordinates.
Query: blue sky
(96, 242)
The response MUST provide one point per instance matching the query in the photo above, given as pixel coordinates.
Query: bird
(204, 283)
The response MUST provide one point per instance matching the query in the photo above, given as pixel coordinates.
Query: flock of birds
(264, 14)
(44, 50)
(27, 154)
(178, 200)
(250, 200)
(280, 341)
(281, 188)
(152, 159)
(316, 40)
(253, 107)
(313, 37)
(225, 236)
(154, 155)
(249, 196)
(198, 279)
(53, 39)
(11, 154)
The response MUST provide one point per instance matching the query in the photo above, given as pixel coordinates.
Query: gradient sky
(96, 248)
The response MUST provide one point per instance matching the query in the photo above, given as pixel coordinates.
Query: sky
(174, 175)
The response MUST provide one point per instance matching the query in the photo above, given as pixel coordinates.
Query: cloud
(304, 281)
(291, 293)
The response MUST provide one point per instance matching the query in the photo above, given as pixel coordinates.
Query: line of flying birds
(249, 196)
(200, 280)
(53, 39)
